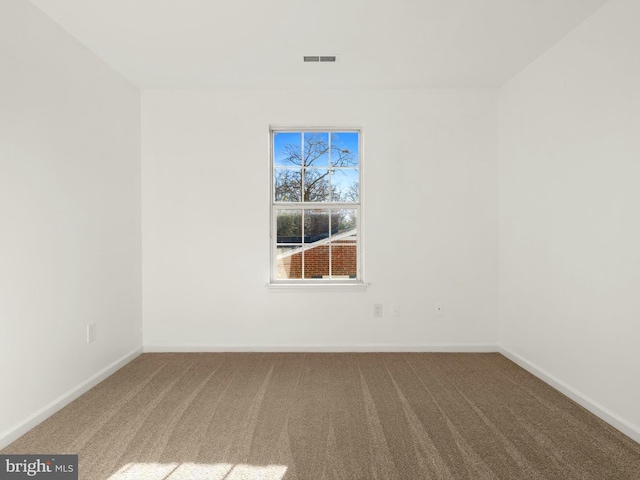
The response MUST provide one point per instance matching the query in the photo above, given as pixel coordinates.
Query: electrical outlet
(91, 332)
(395, 310)
(439, 309)
(377, 309)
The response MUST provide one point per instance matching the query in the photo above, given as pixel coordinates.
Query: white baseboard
(439, 347)
(22, 427)
(628, 428)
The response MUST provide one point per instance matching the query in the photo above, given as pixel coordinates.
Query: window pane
(344, 222)
(287, 149)
(316, 185)
(344, 258)
(345, 185)
(344, 238)
(316, 149)
(345, 149)
(289, 226)
(316, 262)
(287, 184)
(316, 225)
(289, 262)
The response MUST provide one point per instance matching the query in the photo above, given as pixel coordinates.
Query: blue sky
(344, 140)
(347, 140)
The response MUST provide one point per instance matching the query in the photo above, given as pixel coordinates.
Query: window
(315, 206)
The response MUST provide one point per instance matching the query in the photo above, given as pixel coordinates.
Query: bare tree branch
(312, 184)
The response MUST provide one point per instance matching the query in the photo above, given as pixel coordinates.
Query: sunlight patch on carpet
(199, 471)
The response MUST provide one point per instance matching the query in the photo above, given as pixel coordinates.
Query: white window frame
(315, 283)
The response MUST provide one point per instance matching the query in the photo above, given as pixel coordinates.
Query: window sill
(317, 287)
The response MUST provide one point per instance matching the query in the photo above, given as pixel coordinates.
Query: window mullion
(329, 166)
(303, 249)
(330, 241)
(303, 169)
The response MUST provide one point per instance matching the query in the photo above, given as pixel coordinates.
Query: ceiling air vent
(320, 58)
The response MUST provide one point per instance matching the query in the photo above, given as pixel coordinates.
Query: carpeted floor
(286, 416)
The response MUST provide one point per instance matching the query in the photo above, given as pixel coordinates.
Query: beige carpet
(286, 416)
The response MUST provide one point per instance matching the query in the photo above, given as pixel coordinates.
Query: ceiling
(198, 44)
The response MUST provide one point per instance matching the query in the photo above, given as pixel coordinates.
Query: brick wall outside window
(316, 262)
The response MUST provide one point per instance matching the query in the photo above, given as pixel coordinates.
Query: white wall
(69, 215)
(430, 220)
(569, 205)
